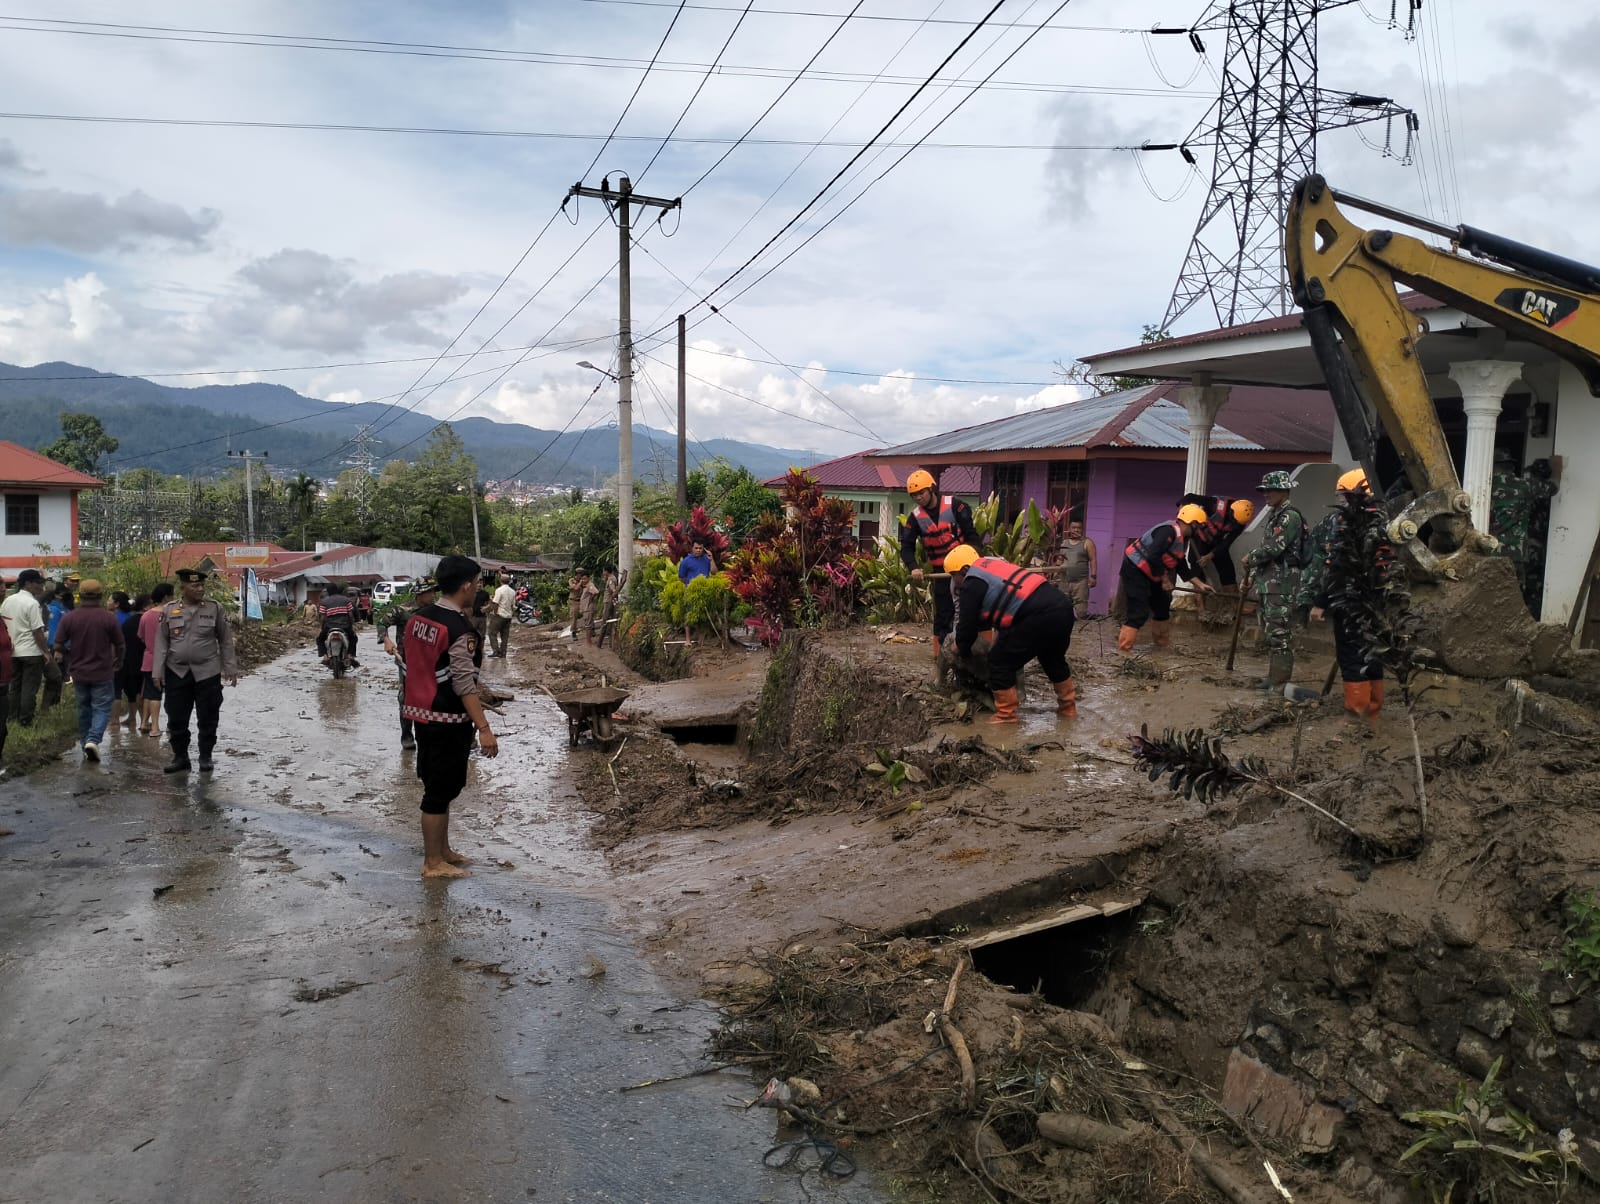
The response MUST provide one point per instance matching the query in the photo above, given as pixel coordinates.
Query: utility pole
(249, 457)
(683, 422)
(472, 496)
(622, 202)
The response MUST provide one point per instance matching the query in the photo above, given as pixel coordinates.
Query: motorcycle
(525, 612)
(338, 653)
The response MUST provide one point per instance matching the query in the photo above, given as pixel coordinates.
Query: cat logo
(1546, 309)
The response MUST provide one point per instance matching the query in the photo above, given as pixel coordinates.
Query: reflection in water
(336, 700)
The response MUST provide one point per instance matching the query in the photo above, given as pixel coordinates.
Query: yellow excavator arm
(1345, 278)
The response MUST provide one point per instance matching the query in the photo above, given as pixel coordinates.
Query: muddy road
(236, 987)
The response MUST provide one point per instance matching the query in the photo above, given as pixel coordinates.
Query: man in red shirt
(441, 700)
(95, 637)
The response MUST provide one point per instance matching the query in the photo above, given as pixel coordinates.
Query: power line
(635, 96)
(793, 251)
(524, 57)
(698, 88)
(766, 112)
(793, 12)
(416, 359)
(351, 128)
(783, 183)
(912, 375)
(753, 401)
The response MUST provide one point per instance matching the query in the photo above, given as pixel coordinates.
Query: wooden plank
(1067, 915)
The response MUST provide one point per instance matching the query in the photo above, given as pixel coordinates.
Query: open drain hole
(704, 733)
(1065, 963)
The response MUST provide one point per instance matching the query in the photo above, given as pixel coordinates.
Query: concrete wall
(55, 530)
(1575, 510)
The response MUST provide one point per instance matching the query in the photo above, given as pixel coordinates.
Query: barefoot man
(441, 646)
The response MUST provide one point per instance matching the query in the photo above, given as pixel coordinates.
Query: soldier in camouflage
(1275, 564)
(1513, 501)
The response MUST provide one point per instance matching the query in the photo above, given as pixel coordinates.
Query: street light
(624, 464)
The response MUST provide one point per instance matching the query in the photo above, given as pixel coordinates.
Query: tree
(83, 441)
(303, 493)
(1081, 375)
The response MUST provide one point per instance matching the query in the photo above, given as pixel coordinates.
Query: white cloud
(78, 221)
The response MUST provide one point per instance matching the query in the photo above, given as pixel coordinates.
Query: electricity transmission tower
(363, 459)
(1264, 129)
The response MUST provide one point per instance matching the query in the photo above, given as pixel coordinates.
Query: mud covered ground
(1277, 992)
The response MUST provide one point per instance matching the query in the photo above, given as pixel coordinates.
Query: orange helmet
(1354, 481)
(962, 556)
(1192, 514)
(918, 481)
(1243, 511)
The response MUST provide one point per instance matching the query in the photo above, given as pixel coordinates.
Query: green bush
(887, 590)
(650, 576)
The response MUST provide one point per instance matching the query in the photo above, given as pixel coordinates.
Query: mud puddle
(236, 986)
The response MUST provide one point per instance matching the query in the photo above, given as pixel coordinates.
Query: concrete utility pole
(683, 423)
(249, 458)
(472, 497)
(623, 200)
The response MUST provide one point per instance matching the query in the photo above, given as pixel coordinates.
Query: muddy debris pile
(962, 1090)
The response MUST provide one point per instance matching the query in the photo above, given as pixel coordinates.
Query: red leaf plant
(700, 529)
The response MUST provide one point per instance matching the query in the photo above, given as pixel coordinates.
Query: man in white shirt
(24, 620)
(504, 601)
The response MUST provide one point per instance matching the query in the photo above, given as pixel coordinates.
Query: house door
(869, 530)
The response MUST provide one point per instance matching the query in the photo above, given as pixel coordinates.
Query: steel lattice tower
(1264, 130)
(363, 459)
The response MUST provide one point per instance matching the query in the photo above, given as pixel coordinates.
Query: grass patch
(53, 732)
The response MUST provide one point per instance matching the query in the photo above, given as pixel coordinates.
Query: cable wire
(698, 88)
(662, 45)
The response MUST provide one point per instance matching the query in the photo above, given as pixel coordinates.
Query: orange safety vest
(1142, 552)
(938, 537)
(1006, 588)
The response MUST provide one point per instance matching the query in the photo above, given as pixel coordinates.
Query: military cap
(426, 585)
(191, 575)
(1277, 479)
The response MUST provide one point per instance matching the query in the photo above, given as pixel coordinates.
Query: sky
(356, 258)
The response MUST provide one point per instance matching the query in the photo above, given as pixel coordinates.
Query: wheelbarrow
(591, 710)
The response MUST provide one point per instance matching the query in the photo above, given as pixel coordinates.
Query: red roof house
(878, 491)
(39, 522)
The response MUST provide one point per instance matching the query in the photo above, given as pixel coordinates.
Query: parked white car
(384, 591)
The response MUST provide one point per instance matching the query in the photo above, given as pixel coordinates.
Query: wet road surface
(237, 988)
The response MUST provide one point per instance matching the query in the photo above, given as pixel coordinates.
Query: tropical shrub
(886, 587)
(700, 528)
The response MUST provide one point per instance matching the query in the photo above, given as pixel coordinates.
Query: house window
(1069, 486)
(867, 509)
(22, 514)
(1008, 488)
(901, 510)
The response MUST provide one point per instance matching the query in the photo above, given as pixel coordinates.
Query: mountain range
(189, 430)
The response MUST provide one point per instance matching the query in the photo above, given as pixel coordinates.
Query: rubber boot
(204, 764)
(1280, 668)
(180, 760)
(1357, 696)
(1067, 699)
(1005, 706)
(1375, 699)
(1161, 632)
(1125, 638)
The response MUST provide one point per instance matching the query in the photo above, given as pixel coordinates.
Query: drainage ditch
(703, 733)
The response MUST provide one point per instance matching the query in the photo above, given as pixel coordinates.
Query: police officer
(394, 643)
(1276, 562)
(194, 652)
(939, 523)
(1030, 618)
(1151, 565)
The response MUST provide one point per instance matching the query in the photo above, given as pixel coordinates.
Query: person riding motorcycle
(337, 611)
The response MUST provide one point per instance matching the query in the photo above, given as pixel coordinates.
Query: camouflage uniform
(1315, 574)
(1513, 501)
(1277, 578)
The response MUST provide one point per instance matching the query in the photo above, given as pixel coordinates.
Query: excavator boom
(1346, 280)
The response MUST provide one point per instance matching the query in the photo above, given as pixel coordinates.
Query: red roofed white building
(39, 520)
(878, 492)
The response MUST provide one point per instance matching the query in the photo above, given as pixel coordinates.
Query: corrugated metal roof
(854, 472)
(1254, 419)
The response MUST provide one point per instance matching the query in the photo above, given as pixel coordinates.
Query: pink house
(878, 491)
(1121, 460)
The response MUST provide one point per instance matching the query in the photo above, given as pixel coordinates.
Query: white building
(39, 521)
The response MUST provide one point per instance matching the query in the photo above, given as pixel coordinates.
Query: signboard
(250, 595)
(242, 556)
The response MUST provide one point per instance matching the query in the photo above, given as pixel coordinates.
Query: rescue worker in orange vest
(1362, 672)
(1150, 568)
(940, 523)
(1030, 618)
(1226, 519)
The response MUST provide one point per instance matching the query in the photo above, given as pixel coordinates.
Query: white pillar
(1201, 402)
(1483, 385)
